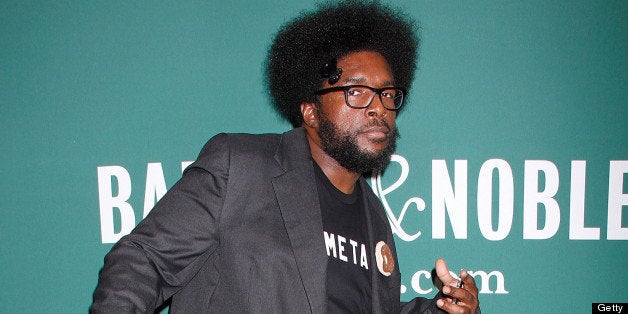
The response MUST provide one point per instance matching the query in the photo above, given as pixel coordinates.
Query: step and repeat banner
(512, 161)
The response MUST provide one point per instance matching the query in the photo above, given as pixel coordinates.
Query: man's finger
(443, 272)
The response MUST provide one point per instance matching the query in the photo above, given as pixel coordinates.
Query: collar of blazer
(296, 195)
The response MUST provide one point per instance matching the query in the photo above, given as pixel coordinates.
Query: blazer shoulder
(222, 147)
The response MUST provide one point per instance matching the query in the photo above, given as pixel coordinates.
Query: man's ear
(309, 111)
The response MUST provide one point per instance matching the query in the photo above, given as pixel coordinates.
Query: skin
(371, 69)
(467, 296)
(364, 68)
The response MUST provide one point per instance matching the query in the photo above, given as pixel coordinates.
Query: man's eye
(354, 92)
(388, 94)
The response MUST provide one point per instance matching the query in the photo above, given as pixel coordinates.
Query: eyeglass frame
(375, 91)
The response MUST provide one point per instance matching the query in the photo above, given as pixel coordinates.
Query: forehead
(365, 67)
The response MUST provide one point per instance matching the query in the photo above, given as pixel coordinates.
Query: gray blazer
(241, 232)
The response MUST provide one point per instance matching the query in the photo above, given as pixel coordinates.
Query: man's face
(361, 140)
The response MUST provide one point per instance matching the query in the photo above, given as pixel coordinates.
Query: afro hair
(303, 45)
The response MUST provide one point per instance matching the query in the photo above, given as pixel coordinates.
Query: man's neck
(343, 179)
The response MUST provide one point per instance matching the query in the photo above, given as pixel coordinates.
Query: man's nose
(376, 109)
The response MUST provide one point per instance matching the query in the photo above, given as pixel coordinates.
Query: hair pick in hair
(331, 71)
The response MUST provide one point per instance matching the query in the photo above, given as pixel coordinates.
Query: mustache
(392, 133)
(377, 123)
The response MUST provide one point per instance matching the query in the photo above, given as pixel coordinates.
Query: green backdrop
(514, 143)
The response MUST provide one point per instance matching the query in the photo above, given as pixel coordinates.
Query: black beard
(343, 147)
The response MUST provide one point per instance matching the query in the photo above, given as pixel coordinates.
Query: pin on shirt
(384, 258)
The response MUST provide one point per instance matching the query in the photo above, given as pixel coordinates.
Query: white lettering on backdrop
(541, 181)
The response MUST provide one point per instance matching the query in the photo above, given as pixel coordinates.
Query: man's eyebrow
(362, 80)
(355, 80)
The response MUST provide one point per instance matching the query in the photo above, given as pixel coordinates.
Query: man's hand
(465, 297)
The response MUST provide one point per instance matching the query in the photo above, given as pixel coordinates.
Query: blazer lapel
(297, 197)
(384, 288)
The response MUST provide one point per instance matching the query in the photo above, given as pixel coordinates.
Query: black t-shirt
(346, 241)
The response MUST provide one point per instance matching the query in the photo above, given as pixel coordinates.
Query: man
(286, 223)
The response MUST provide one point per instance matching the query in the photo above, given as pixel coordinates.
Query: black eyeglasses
(361, 96)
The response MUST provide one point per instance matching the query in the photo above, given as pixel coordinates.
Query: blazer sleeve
(421, 306)
(425, 306)
(171, 244)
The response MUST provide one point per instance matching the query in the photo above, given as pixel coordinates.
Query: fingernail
(440, 303)
(446, 289)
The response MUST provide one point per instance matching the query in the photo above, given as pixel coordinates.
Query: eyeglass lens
(361, 97)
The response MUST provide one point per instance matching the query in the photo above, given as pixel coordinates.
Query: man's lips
(376, 133)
